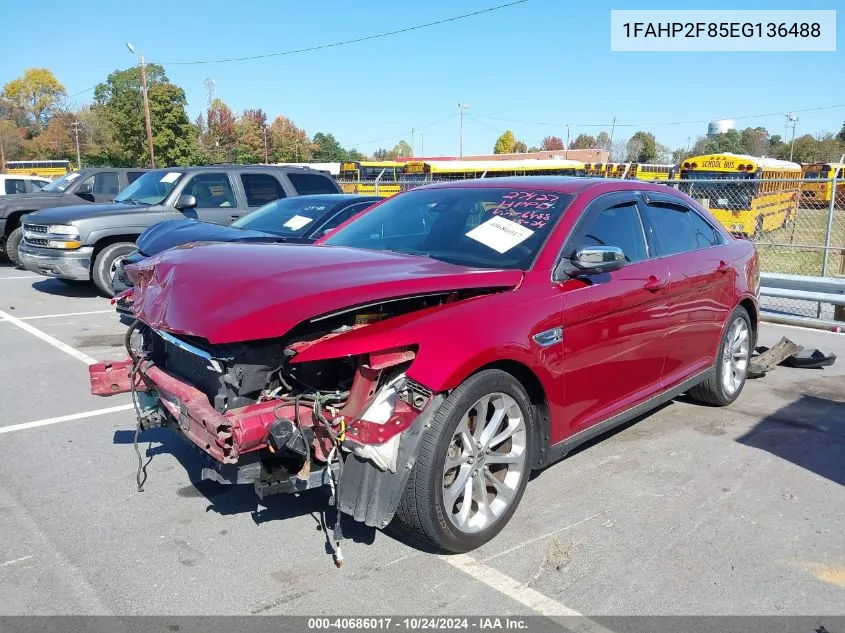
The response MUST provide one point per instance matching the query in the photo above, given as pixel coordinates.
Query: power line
(353, 41)
(654, 124)
(401, 134)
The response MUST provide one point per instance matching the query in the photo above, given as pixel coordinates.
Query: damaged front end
(263, 416)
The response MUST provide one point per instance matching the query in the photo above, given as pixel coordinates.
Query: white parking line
(514, 589)
(67, 349)
(544, 536)
(21, 277)
(17, 560)
(64, 418)
(65, 314)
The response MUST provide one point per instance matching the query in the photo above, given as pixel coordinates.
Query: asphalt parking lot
(690, 510)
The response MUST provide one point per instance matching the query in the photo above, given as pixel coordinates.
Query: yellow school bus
(462, 169)
(734, 188)
(653, 171)
(45, 168)
(817, 188)
(360, 177)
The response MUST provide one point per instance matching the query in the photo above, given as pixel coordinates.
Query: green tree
(755, 141)
(642, 147)
(381, 154)
(603, 141)
(401, 150)
(552, 144)
(174, 136)
(327, 149)
(505, 143)
(34, 96)
(841, 135)
(584, 141)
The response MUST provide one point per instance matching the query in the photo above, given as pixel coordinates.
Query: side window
(39, 184)
(86, 186)
(132, 176)
(261, 189)
(106, 183)
(306, 184)
(617, 226)
(705, 234)
(211, 190)
(344, 215)
(15, 186)
(673, 228)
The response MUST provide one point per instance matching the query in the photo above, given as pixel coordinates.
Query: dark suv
(84, 243)
(86, 186)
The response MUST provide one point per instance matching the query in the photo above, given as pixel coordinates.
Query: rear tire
(462, 459)
(103, 269)
(12, 243)
(728, 376)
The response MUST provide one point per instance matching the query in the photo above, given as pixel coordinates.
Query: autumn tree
(288, 143)
(552, 144)
(34, 97)
(584, 141)
(250, 141)
(519, 147)
(505, 143)
(11, 141)
(219, 138)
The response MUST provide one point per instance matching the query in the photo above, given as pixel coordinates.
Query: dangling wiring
(137, 361)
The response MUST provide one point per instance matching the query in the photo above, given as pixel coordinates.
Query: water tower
(720, 127)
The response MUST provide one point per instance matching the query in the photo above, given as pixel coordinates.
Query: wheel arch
(539, 401)
(753, 316)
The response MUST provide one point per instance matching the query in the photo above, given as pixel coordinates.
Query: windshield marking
(500, 234)
(297, 222)
(171, 176)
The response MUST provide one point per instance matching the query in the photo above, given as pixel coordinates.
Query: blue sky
(544, 60)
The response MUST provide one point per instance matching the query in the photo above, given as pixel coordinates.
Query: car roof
(22, 176)
(236, 167)
(559, 184)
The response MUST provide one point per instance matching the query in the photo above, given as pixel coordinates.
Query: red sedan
(426, 356)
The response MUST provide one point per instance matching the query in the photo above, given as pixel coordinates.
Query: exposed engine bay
(282, 425)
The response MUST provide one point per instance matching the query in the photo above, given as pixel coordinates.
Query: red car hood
(226, 293)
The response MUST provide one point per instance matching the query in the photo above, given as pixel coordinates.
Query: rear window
(15, 186)
(132, 176)
(307, 184)
(261, 189)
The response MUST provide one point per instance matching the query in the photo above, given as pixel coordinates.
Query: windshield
(151, 188)
(817, 174)
(722, 190)
(62, 183)
(482, 228)
(290, 217)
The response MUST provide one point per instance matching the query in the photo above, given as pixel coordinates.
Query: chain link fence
(798, 225)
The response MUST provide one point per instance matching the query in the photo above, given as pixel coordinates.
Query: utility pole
(462, 107)
(422, 145)
(75, 126)
(610, 147)
(412, 142)
(146, 103)
(566, 152)
(266, 162)
(791, 117)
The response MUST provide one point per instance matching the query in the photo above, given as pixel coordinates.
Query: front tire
(728, 377)
(105, 263)
(473, 464)
(12, 244)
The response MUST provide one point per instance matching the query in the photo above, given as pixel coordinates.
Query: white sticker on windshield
(500, 234)
(297, 222)
(171, 176)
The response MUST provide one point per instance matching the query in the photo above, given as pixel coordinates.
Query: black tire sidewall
(12, 243)
(100, 273)
(478, 385)
(739, 311)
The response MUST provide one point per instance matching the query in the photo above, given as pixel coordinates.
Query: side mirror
(595, 260)
(186, 201)
(85, 189)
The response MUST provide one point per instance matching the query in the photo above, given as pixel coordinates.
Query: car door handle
(653, 284)
(723, 267)
(232, 218)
